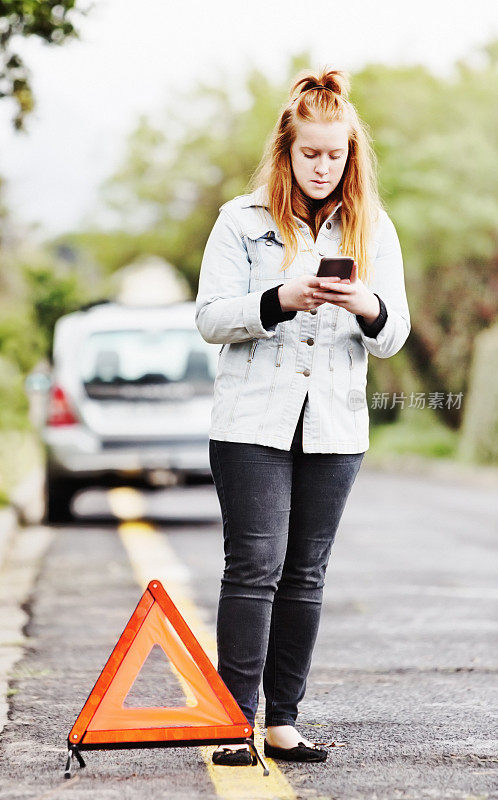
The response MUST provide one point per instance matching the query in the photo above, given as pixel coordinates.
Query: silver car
(130, 399)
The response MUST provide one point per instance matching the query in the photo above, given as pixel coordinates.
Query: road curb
(27, 498)
(25, 508)
(8, 526)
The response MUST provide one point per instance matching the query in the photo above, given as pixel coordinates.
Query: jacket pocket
(266, 254)
(253, 349)
(250, 358)
(358, 364)
(351, 356)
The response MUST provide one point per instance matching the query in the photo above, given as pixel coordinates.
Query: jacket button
(306, 373)
(328, 225)
(312, 310)
(310, 341)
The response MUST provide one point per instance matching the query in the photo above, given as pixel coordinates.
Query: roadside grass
(418, 432)
(420, 444)
(20, 452)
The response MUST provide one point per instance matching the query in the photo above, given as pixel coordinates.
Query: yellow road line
(151, 556)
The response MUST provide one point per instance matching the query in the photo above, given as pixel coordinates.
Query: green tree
(437, 142)
(174, 178)
(50, 294)
(49, 20)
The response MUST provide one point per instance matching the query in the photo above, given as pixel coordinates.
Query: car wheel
(58, 494)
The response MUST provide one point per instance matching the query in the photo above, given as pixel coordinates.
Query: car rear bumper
(80, 460)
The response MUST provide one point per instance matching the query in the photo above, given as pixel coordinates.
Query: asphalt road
(404, 671)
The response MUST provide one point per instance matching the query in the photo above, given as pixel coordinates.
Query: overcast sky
(132, 55)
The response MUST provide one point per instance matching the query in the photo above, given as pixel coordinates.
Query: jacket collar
(260, 198)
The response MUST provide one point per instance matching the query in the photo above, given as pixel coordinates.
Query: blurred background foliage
(51, 22)
(437, 144)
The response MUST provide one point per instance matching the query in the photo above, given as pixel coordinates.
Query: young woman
(289, 426)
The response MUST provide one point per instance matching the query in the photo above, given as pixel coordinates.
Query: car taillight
(59, 411)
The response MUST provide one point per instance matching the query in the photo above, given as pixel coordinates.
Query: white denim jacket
(263, 375)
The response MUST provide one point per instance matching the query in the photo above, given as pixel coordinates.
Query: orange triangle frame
(212, 715)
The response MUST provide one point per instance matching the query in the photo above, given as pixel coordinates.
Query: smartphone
(335, 266)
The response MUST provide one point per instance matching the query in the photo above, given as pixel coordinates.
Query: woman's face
(318, 156)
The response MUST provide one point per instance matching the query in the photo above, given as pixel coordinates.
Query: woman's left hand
(351, 294)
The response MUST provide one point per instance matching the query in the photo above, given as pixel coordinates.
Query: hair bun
(334, 80)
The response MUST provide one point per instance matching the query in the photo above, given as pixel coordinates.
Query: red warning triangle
(211, 713)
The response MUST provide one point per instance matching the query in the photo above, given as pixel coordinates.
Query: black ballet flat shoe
(229, 757)
(300, 753)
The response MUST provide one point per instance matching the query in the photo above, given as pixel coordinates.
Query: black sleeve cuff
(376, 326)
(270, 309)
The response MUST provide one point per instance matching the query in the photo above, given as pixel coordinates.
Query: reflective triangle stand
(211, 715)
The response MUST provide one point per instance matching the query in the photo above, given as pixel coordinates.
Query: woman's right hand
(297, 293)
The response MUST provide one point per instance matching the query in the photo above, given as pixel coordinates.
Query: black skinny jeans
(280, 510)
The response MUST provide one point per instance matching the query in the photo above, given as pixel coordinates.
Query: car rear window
(135, 364)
